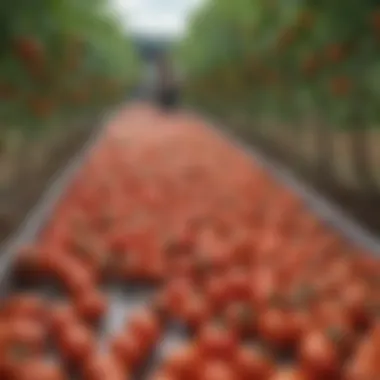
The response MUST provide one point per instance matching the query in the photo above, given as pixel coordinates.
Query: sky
(156, 17)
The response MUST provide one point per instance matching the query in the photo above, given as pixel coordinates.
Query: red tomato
(76, 343)
(217, 342)
(289, 374)
(146, 326)
(216, 291)
(161, 375)
(277, 328)
(74, 276)
(318, 354)
(241, 318)
(101, 367)
(253, 363)
(91, 306)
(185, 363)
(27, 335)
(40, 370)
(215, 370)
(62, 316)
(355, 297)
(263, 286)
(26, 306)
(129, 349)
(12, 358)
(238, 281)
(175, 295)
(28, 49)
(196, 312)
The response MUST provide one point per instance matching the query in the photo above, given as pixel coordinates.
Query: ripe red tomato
(76, 343)
(263, 286)
(318, 354)
(215, 370)
(91, 306)
(277, 328)
(217, 342)
(27, 335)
(216, 291)
(74, 276)
(145, 325)
(161, 375)
(12, 358)
(238, 281)
(28, 49)
(253, 363)
(184, 363)
(100, 367)
(40, 370)
(241, 318)
(175, 295)
(289, 373)
(355, 297)
(196, 312)
(62, 315)
(27, 306)
(129, 349)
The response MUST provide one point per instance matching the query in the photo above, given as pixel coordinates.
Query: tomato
(91, 306)
(146, 326)
(290, 373)
(364, 364)
(76, 343)
(217, 341)
(216, 291)
(181, 266)
(196, 312)
(302, 321)
(355, 297)
(175, 295)
(263, 286)
(129, 349)
(238, 282)
(40, 370)
(253, 363)
(242, 252)
(28, 306)
(100, 367)
(241, 318)
(333, 317)
(4, 330)
(161, 375)
(184, 363)
(277, 328)
(75, 277)
(318, 354)
(29, 49)
(27, 335)
(215, 370)
(12, 357)
(62, 315)
(20, 341)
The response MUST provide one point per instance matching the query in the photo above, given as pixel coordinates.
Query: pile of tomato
(265, 290)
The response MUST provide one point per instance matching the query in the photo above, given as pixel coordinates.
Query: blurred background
(297, 79)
